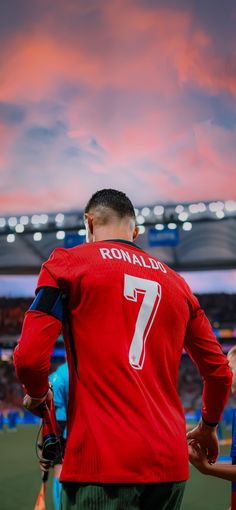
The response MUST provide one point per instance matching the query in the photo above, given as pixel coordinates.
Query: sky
(201, 282)
(138, 95)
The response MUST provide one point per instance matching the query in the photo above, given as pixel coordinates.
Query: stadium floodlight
(136, 211)
(230, 205)
(158, 210)
(43, 218)
(12, 221)
(37, 236)
(193, 208)
(19, 228)
(2, 222)
(24, 220)
(172, 226)
(179, 209)
(187, 225)
(220, 214)
(159, 226)
(145, 211)
(82, 232)
(35, 219)
(183, 216)
(59, 218)
(60, 234)
(141, 229)
(216, 206)
(140, 219)
(11, 238)
(197, 208)
(201, 207)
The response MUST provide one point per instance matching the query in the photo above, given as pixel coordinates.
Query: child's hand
(198, 457)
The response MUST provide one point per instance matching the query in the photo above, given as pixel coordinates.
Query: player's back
(128, 314)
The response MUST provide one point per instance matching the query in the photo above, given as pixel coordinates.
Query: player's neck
(104, 234)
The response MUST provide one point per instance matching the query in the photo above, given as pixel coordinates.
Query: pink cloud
(136, 69)
(142, 47)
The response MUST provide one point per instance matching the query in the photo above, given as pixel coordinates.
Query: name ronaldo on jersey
(132, 258)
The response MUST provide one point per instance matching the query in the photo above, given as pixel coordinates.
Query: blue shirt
(60, 384)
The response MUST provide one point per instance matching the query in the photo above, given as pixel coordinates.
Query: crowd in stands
(11, 392)
(220, 309)
(12, 311)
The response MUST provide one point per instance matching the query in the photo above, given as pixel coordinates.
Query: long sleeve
(204, 349)
(33, 352)
(42, 326)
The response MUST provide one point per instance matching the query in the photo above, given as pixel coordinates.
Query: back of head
(110, 204)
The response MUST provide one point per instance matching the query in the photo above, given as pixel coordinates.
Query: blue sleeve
(60, 382)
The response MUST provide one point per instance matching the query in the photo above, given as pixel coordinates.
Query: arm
(207, 438)
(33, 352)
(42, 325)
(221, 470)
(206, 352)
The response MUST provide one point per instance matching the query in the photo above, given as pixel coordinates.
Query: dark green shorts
(152, 496)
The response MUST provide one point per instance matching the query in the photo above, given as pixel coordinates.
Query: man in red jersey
(126, 317)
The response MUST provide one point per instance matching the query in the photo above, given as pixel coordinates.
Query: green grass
(20, 477)
(19, 472)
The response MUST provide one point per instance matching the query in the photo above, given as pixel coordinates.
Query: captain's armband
(50, 300)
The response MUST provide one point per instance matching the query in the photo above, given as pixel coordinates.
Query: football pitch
(20, 477)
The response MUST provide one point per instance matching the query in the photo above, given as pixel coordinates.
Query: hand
(198, 457)
(45, 465)
(31, 403)
(207, 438)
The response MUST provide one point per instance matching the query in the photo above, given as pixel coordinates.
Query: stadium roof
(185, 236)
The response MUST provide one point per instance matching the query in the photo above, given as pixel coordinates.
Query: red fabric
(233, 500)
(124, 424)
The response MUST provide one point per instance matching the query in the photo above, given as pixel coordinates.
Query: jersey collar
(123, 241)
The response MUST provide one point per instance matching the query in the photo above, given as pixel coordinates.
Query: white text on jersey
(132, 258)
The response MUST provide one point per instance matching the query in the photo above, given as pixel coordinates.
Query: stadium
(196, 239)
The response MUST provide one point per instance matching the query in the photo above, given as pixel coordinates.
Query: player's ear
(135, 232)
(88, 220)
(90, 224)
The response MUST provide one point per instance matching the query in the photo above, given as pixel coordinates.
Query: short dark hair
(113, 199)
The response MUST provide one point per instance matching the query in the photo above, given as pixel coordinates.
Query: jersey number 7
(148, 309)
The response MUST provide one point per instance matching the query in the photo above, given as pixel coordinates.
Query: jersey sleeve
(42, 326)
(54, 272)
(206, 352)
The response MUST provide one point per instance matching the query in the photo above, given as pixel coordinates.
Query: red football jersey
(130, 318)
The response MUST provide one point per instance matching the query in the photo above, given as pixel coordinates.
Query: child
(60, 384)
(198, 457)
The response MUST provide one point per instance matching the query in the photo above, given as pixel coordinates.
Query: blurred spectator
(190, 385)
(12, 311)
(11, 392)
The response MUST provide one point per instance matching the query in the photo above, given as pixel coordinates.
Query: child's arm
(221, 470)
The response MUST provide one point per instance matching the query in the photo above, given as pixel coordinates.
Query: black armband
(50, 300)
(209, 424)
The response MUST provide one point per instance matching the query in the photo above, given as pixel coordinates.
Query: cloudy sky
(133, 94)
